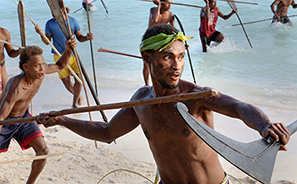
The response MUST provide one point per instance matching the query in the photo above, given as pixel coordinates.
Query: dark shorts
(23, 133)
(85, 6)
(283, 19)
(206, 41)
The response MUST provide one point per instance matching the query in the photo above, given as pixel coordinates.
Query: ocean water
(262, 75)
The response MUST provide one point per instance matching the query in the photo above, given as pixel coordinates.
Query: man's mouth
(41, 74)
(174, 75)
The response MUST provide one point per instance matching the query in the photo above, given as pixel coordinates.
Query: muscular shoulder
(4, 33)
(142, 93)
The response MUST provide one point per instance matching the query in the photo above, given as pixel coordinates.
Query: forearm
(229, 15)
(253, 117)
(88, 129)
(64, 59)
(14, 53)
(82, 38)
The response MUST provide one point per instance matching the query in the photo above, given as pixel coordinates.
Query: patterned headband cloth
(161, 41)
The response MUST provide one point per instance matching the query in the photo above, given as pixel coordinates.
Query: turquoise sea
(263, 75)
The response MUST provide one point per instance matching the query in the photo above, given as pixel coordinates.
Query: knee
(220, 38)
(43, 150)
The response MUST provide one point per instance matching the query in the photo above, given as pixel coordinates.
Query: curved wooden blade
(182, 29)
(233, 6)
(255, 158)
(21, 15)
(56, 11)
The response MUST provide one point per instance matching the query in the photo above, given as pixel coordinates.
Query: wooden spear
(157, 100)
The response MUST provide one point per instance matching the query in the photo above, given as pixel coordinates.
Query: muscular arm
(276, 2)
(64, 59)
(154, 15)
(123, 122)
(9, 49)
(249, 114)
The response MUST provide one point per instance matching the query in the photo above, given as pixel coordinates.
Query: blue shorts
(23, 133)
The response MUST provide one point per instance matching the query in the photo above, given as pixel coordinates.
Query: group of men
(181, 156)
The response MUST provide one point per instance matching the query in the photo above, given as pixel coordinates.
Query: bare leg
(220, 38)
(40, 148)
(77, 99)
(74, 89)
(146, 72)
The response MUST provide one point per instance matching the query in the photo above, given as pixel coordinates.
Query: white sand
(83, 163)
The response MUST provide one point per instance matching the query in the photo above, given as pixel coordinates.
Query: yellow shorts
(65, 72)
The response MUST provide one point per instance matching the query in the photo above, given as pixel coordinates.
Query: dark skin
(5, 36)
(21, 89)
(181, 156)
(158, 15)
(282, 7)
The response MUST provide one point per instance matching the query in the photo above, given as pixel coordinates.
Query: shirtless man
(208, 21)
(181, 156)
(282, 6)
(158, 15)
(5, 36)
(16, 97)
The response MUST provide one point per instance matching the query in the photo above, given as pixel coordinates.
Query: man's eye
(167, 57)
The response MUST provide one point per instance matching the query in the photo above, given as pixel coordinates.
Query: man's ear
(146, 56)
(25, 66)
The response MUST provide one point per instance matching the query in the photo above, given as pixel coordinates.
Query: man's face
(36, 67)
(213, 4)
(167, 65)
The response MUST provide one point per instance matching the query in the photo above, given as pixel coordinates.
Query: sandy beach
(83, 163)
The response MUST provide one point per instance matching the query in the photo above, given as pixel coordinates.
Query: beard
(167, 86)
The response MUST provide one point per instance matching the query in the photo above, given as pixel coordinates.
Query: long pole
(187, 48)
(233, 7)
(91, 48)
(100, 49)
(80, 71)
(151, 101)
(260, 21)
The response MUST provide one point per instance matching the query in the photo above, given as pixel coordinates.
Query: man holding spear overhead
(53, 30)
(16, 97)
(282, 6)
(158, 15)
(181, 156)
(5, 36)
(208, 21)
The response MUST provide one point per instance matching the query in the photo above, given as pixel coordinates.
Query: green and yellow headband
(161, 41)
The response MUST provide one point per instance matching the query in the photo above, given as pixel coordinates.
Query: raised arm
(44, 40)
(123, 122)
(155, 13)
(225, 17)
(64, 59)
(9, 48)
(205, 12)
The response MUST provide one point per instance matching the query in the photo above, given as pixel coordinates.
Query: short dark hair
(27, 53)
(160, 28)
